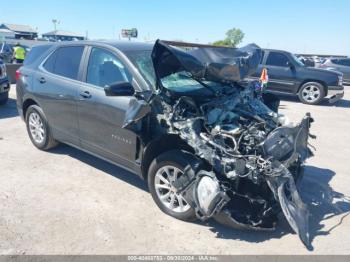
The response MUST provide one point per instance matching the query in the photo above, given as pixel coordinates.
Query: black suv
(179, 117)
(4, 84)
(288, 75)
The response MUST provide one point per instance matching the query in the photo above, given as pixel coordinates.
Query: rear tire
(38, 129)
(311, 93)
(4, 97)
(162, 172)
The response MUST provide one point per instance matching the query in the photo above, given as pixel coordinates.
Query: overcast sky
(309, 26)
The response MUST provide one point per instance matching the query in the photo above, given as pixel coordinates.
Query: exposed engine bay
(249, 156)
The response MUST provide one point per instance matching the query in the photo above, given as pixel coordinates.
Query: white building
(5, 34)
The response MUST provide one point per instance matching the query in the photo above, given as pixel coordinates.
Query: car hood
(323, 71)
(217, 64)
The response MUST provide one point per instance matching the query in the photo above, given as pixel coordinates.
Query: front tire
(163, 171)
(4, 97)
(311, 93)
(38, 129)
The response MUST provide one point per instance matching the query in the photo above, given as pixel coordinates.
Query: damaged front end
(250, 156)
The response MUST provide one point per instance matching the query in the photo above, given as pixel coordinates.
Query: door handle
(42, 80)
(85, 94)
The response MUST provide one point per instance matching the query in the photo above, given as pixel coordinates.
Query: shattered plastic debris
(250, 154)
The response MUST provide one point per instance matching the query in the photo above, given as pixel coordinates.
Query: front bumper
(4, 85)
(335, 93)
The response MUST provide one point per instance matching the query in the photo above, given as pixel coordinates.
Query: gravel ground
(68, 202)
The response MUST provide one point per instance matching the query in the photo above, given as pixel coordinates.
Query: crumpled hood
(246, 160)
(218, 64)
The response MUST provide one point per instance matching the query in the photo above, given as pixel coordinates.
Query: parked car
(4, 84)
(339, 64)
(317, 61)
(208, 146)
(307, 61)
(288, 75)
(6, 53)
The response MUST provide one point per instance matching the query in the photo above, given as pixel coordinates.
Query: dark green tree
(233, 38)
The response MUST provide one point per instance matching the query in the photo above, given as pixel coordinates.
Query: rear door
(57, 83)
(282, 77)
(100, 116)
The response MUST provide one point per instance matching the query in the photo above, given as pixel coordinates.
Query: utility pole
(55, 22)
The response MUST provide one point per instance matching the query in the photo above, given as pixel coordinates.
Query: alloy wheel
(36, 127)
(311, 93)
(166, 192)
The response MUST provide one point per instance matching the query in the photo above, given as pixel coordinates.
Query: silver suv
(339, 64)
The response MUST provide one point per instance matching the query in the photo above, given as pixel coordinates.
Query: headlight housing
(340, 80)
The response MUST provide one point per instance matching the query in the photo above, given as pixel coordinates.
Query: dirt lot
(68, 202)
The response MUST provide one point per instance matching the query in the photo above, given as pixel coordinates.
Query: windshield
(183, 82)
(297, 60)
(142, 60)
(177, 82)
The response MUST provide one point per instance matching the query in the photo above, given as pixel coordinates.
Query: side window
(7, 49)
(277, 59)
(50, 62)
(335, 61)
(65, 61)
(105, 68)
(343, 62)
(35, 53)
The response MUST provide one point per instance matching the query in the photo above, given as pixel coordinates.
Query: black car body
(184, 120)
(4, 84)
(288, 75)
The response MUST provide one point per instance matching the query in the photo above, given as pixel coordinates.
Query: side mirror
(119, 89)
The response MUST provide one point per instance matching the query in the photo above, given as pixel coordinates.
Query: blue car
(4, 84)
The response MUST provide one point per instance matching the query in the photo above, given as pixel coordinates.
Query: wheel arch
(160, 145)
(324, 84)
(26, 104)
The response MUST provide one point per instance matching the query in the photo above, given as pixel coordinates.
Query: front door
(282, 77)
(100, 116)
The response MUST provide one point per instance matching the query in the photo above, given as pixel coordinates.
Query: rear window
(35, 53)
(65, 61)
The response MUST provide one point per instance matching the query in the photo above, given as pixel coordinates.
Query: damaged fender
(294, 210)
(251, 155)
